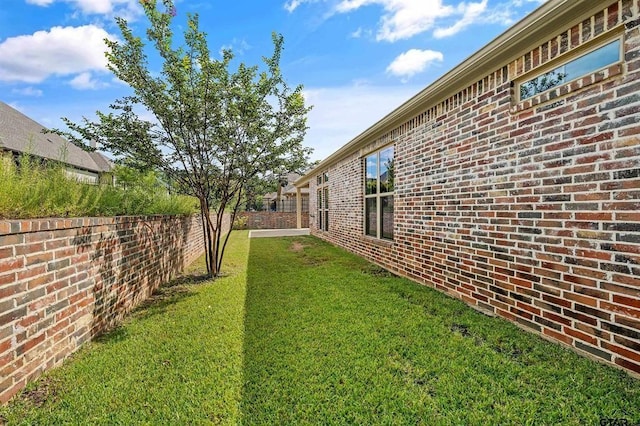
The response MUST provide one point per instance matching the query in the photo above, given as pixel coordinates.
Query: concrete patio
(266, 233)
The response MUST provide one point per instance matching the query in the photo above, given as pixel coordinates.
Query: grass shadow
(169, 294)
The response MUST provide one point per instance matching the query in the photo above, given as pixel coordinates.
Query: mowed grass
(331, 339)
(306, 333)
(176, 361)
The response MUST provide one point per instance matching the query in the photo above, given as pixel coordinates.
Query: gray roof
(288, 189)
(19, 133)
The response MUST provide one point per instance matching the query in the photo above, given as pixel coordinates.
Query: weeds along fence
(34, 190)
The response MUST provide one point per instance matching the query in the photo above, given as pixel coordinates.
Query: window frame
(377, 196)
(322, 201)
(563, 60)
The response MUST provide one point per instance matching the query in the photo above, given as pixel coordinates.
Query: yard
(301, 332)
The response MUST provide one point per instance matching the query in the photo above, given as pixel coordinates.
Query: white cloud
(60, 51)
(402, 19)
(97, 7)
(523, 2)
(470, 13)
(502, 14)
(413, 62)
(341, 113)
(85, 81)
(237, 46)
(28, 91)
(357, 33)
(507, 13)
(292, 5)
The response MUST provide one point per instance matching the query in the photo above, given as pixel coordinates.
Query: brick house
(284, 199)
(513, 181)
(20, 134)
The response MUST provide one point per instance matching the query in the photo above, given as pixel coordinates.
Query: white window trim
(322, 207)
(377, 195)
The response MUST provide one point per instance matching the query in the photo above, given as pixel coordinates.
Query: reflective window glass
(372, 174)
(578, 67)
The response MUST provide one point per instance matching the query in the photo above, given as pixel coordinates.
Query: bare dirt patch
(376, 271)
(44, 390)
(307, 257)
(297, 246)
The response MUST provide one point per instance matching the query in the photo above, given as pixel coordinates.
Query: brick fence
(64, 281)
(273, 220)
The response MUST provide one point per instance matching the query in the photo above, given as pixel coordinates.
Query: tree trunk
(208, 234)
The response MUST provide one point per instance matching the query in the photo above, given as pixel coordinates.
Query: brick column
(298, 208)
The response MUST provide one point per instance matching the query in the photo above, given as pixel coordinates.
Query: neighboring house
(285, 200)
(513, 181)
(20, 134)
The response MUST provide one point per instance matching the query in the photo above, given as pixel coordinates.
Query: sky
(358, 60)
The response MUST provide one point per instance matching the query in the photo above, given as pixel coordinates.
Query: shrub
(240, 222)
(34, 189)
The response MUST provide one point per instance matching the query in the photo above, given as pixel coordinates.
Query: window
(588, 63)
(378, 194)
(322, 204)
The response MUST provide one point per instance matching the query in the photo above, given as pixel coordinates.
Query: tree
(255, 189)
(542, 83)
(215, 129)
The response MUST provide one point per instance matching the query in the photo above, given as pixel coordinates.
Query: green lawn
(309, 334)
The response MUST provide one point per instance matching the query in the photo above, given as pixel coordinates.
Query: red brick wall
(63, 281)
(527, 210)
(273, 220)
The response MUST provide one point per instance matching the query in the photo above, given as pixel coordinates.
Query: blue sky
(357, 59)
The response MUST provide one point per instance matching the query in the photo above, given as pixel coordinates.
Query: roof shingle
(19, 133)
